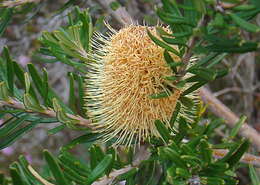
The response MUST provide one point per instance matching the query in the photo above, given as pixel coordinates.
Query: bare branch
(219, 109)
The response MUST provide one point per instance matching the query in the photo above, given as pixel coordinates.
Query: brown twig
(120, 14)
(219, 109)
(47, 112)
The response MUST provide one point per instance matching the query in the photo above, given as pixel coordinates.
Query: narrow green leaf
(72, 174)
(170, 62)
(164, 132)
(96, 155)
(81, 95)
(10, 70)
(10, 126)
(23, 163)
(99, 169)
(21, 172)
(114, 5)
(253, 175)
(187, 102)
(4, 94)
(200, 5)
(36, 78)
(182, 172)
(174, 41)
(16, 135)
(16, 178)
(55, 130)
(192, 160)
(127, 175)
(75, 164)
(72, 97)
(204, 73)
(237, 127)
(162, 44)
(175, 113)
(204, 60)
(169, 154)
(244, 24)
(45, 88)
(27, 82)
(206, 151)
(173, 19)
(244, 7)
(19, 72)
(194, 87)
(55, 168)
(6, 17)
(235, 158)
(86, 139)
(213, 180)
(2, 178)
(31, 103)
(160, 95)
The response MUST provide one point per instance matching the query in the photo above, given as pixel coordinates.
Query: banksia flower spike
(127, 68)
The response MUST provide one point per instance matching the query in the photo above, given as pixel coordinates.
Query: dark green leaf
(99, 169)
(194, 87)
(128, 174)
(55, 168)
(5, 18)
(164, 132)
(10, 70)
(56, 129)
(114, 5)
(235, 158)
(244, 24)
(237, 127)
(160, 95)
(72, 97)
(84, 139)
(204, 73)
(16, 135)
(169, 154)
(253, 175)
(175, 113)
(174, 41)
(187, 102)
(170, 62)
(4, 93)
(10, 126)
(96, 155)
(162, 44)
(16, 178)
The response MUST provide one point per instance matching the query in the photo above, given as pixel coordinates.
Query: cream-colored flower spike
(127, 68)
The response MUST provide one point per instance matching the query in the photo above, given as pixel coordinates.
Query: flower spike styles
(126, 68)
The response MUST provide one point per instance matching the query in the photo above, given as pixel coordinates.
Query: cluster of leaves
(212, 34)
(31, 90)
(172, 161)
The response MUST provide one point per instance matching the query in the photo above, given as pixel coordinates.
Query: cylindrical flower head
(127, 68)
